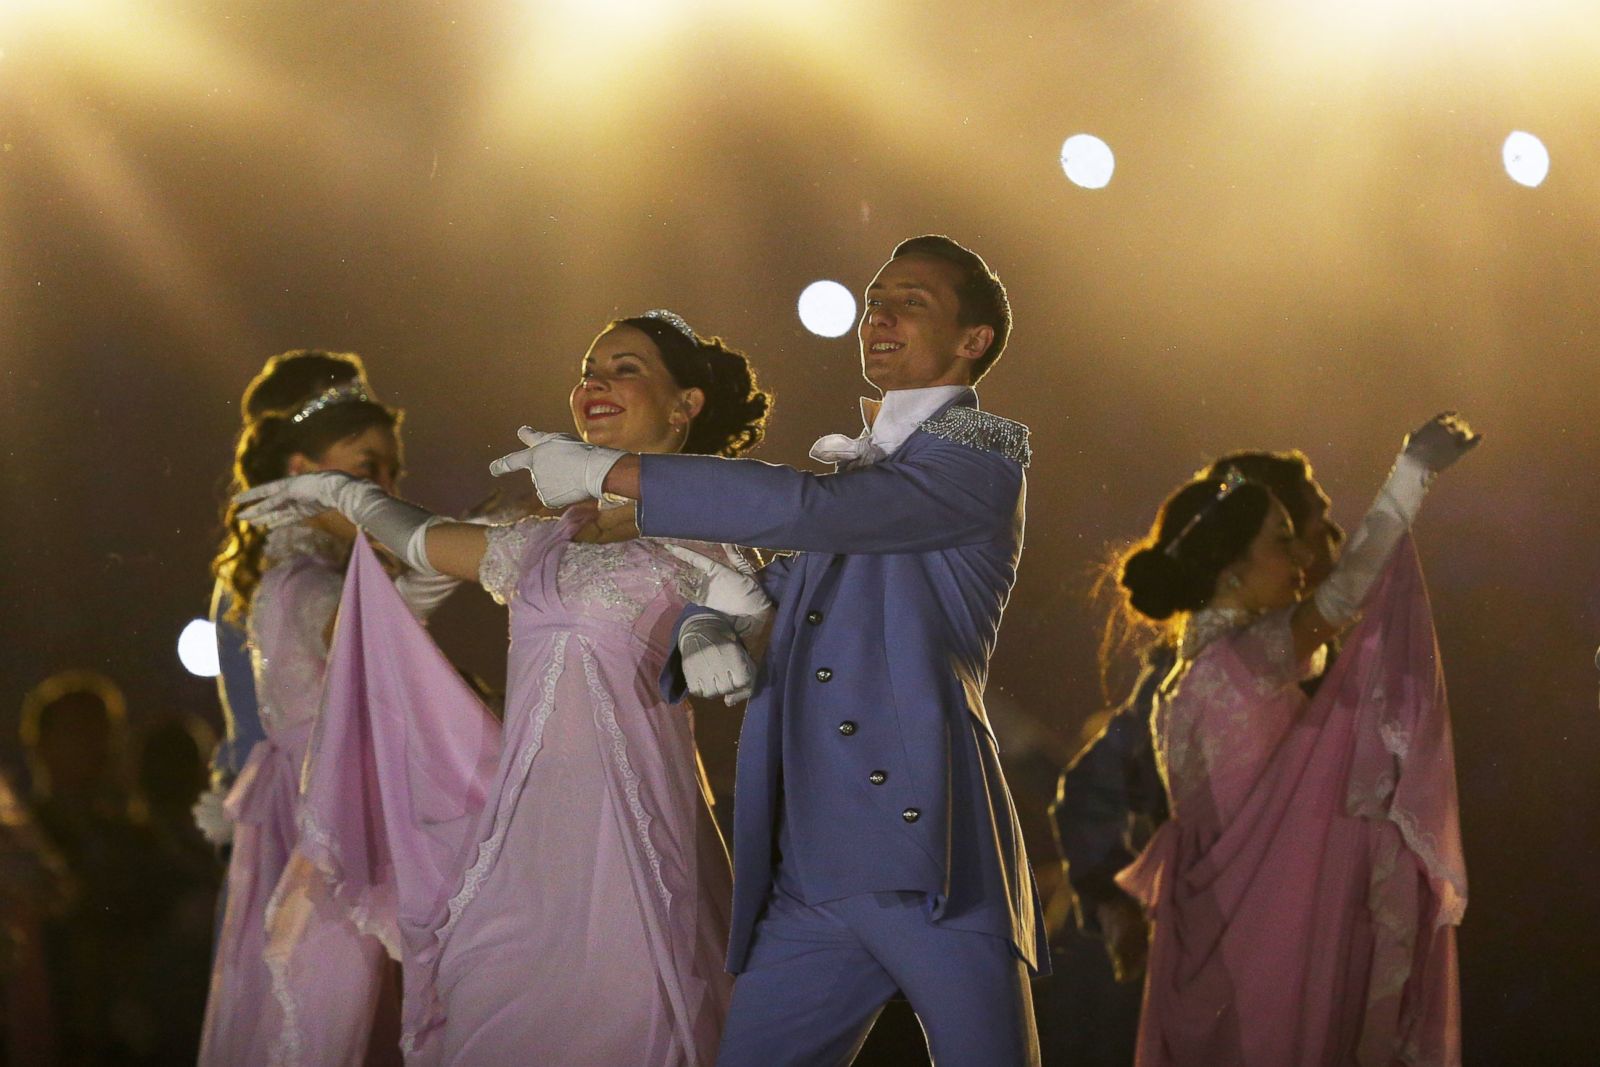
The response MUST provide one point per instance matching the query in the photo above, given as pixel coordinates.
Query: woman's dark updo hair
(1172, 570)
(271, 436)
(734, 418)
(289, 379)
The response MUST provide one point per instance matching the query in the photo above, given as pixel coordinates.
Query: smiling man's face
(910, 332)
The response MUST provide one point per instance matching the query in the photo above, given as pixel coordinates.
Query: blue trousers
(817, 977)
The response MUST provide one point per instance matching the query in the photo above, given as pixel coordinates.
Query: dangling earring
(1234, 583)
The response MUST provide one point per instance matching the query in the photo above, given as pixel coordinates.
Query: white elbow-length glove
(424, 591)
(1435, 445)
(397, 525)
(564, 469)
(715, 662)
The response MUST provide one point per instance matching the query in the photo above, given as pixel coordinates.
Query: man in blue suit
(876, 847)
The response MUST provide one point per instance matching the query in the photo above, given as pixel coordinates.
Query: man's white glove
(211, 816)
(715, 663)
(564, 469)
(399, 526)
(1435, 445)
(735, 594)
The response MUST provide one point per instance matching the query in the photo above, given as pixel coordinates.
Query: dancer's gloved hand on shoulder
(564, 469)
(393, 523)
(734, 594)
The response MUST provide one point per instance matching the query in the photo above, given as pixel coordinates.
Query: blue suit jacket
(867, 732)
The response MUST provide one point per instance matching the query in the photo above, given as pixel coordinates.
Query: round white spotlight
(1087, 160)
(827, 309)
(197, 648)
(1526, 159)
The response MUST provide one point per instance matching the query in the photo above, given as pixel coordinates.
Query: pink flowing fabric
(404, 752)
(263, 1008)
(1306, 892)
(241, 1012)
(558, 890)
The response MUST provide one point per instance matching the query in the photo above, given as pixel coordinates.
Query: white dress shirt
(888, 423)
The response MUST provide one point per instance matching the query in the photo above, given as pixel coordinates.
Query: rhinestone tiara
(673, 319)
(347, 393)
(1231, 480)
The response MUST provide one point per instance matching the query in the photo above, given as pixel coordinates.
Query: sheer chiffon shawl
(1306, 892)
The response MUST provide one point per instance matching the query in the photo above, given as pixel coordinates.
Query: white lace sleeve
(1266, 648)
(501, 568)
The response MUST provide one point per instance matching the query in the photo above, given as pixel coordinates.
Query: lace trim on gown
(1397, 742)
(489, 847)
(293, 665)
(1187, 752)
(587, 574)
(322, 843)
(606, 708)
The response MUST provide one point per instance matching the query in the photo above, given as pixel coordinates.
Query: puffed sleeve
(501, 568)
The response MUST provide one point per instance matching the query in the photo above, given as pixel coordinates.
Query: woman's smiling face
(628, 399)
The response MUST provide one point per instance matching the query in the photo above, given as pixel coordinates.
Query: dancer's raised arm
(1336, 603)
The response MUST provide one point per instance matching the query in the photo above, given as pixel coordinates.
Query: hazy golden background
(1309, 241)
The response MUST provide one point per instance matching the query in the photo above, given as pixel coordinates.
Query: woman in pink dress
(566, 900)
(1305, 893)
(285, 588)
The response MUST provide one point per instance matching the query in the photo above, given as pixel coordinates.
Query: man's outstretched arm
(947, 496)
(951, 493)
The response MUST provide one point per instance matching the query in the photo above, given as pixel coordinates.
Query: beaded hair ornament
(1231, 480)
(347, 393)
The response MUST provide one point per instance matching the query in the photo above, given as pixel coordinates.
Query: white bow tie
(848, 452)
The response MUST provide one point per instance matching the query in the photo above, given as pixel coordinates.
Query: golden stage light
(1088, 161)
(827, 309)
(1526, 158)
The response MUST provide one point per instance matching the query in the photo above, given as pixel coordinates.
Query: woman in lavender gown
(1306, 890)
(287, 381)
(564, 901)
(284, 589)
